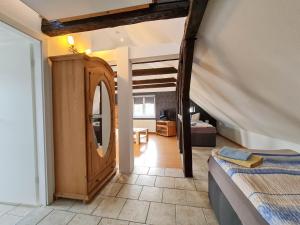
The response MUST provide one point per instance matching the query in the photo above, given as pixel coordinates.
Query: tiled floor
(156, 196)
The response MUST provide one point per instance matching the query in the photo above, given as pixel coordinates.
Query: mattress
(272, 203)
(201, 127)
(200, 124)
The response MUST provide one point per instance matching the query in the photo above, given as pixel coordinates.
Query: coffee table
(138, 132)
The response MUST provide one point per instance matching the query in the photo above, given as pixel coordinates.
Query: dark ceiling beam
(151, 61)
(162, 85)
(154, 71)
(193, 21)
(153, 81)
(155, 60)
(156, 11)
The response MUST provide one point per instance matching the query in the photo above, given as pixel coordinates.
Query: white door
(18, 158)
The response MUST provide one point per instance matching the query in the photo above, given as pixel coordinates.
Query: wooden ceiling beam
(162, 85)
(156, 11)
(153, 81)
(153, 71)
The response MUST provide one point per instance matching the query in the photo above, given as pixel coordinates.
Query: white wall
(125, 107)
(21, 14)
(150, 124)
(56, 9)
(18, 161)
(254, 140)
(246, 70)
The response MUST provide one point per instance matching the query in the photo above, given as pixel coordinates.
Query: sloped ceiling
(58, 9)
(139, 35)
(246, 69)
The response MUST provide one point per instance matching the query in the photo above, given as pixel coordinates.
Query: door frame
(43, 112)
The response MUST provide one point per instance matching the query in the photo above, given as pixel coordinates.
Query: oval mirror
(101, 118)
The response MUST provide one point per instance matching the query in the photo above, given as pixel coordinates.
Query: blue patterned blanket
(273, 187)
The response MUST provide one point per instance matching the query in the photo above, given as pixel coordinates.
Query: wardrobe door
(100, 134)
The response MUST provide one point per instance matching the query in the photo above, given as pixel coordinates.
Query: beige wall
(59, 45)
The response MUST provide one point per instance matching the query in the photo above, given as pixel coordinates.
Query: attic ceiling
(247, 65)
(58, 9)
(140, 35)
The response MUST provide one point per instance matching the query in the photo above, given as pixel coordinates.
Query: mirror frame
(102, 152)
(105, 76)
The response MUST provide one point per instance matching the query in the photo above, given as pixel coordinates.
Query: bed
(268, 194)
(203, 134)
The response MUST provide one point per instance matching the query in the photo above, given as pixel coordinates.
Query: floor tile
(57, 217)
(200, 175)
(35, 216)
(199, 163)
(153, 194)
(130, 191)
(111, 189)
(141, 170)
(171, 172)
(86, 208)
(161, 214)
(157, 171)
(197, 199)
(21, 210)
(201, 185)
(62, 204)
(106, 221)
(81, 219)
(135, 210)
(133, 223)
(115, 177)
(168, 182)
(5, 208)
(210, 217)
(127, 178)
(110, 207)
(146, 180)
(186, 215)
(9, 219)
(174, 196)
(185, 183)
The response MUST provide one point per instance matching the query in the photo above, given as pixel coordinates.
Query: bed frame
(203, 136)
(221, 206)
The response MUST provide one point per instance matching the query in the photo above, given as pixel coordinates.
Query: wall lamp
(72, 44)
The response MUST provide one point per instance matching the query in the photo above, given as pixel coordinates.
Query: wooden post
(188, 53)
(195, 15)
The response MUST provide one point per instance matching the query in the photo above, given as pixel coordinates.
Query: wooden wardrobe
(83, 162)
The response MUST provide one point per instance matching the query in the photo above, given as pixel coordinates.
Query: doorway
(22, 161)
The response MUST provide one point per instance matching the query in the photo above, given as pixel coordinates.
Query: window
(144, 106)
